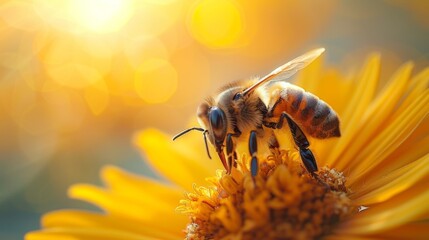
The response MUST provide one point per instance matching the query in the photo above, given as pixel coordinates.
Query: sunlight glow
(101, 15)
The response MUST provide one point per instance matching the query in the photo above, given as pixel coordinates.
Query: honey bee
(251, 110)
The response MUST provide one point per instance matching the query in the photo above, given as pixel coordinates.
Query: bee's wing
(288, 69)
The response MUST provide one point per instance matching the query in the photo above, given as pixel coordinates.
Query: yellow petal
(390, 138)
(357, 106)
(415, 231)
(140, 188)
(84, 234)
(419, 84)
(403, 208)
(419, 136)
(176, 161)
(376, 114)
(394, 183)
(82, 219)
(414, 148)
(131, 208)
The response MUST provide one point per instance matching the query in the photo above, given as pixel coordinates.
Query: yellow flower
(377, 174)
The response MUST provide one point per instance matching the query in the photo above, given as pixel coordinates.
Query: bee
(253, 109)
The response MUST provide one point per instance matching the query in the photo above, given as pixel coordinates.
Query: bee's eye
(217, 120)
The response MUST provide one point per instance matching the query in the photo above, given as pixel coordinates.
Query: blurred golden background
(78, 78)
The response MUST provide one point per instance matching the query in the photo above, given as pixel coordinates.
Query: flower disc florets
(282, 202)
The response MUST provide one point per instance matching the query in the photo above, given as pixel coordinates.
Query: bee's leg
(274, 147)
(230, 153)
(230, 150)
(302, 143)
(307, 156)
(253, 148)
(273, 144)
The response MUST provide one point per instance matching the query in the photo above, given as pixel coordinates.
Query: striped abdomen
(313, 115)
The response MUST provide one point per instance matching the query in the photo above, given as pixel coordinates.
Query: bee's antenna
(198, 129)
(205, 141)
(188, 130)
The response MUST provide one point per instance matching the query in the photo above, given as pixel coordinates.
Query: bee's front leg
(230, 152)
(253, 148)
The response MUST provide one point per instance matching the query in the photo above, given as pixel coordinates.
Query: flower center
(282, 202)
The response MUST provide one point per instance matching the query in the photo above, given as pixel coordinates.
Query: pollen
(282, 202)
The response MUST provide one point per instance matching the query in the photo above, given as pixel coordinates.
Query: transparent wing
(288, 69)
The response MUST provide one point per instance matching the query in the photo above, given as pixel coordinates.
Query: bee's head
(214, 120)
(214, 123)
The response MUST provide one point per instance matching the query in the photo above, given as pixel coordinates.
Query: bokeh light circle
(216, 23)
